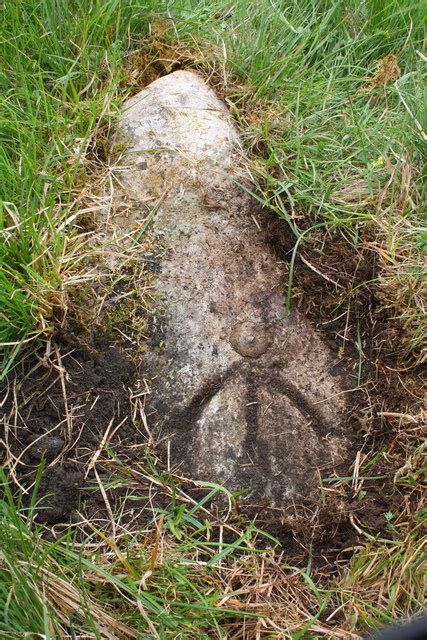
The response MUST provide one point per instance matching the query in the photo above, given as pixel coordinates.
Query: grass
(329, 99)
(339, 138)
(331, 105)
(183, 573)
(138, 583)
(61, 65)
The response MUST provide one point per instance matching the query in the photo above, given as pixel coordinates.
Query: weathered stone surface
(245, 398)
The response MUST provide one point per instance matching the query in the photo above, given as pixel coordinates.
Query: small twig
(61, 371)
(106, 502)
(106, 437)
(404, 417)
(322, 275)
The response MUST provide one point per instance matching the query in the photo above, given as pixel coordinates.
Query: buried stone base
(243, 397)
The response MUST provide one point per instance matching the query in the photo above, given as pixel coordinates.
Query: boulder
(241, 396)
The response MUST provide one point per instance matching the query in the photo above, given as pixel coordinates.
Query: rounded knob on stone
(251, 339)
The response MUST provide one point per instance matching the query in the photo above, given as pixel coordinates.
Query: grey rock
(245, 398)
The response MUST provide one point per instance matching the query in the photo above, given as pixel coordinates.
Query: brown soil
(92, 388)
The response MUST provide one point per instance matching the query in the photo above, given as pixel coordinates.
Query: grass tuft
(61, 65)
